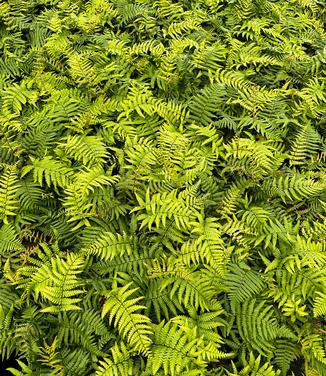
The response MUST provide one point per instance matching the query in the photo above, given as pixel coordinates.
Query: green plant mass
(163, 187)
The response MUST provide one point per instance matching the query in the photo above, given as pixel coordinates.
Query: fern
(294, 187)
(110, 245)
(8, 194)
(86, 329)
(88, 150)
(56, 281)
(306, 144)
(254, 367)
(53, 172)
(131, 325)
(162, 187)
(242, 284)
(120, 364)
(9, 241)
(172, 350)
(159, 208)
(7, 341)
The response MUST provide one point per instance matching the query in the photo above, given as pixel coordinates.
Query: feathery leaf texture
(163, 187)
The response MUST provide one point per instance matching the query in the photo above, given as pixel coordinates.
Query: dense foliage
(163, 187)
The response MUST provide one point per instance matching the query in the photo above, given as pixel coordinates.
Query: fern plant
(162, 187)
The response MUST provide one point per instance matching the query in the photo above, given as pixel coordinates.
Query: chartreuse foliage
(163, 187)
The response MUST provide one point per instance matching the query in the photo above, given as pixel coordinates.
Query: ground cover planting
(162, 187)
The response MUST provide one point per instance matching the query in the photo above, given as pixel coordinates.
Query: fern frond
(109, 246)
(306, 143)
(191, 287)
(89, 150)
(295, 187)
(262, 322)
(56, 280)
(83, 328)
(7, 339)
(52, 171)
(254, 367)
(242, 154)
(8, 194)
(9, 240)
(204, 105)
(132, 325)
(160, 207)
(208, 247)
(242, 284)
(173, 351)
(121, 363)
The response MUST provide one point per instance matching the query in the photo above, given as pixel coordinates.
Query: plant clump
(163, 187)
